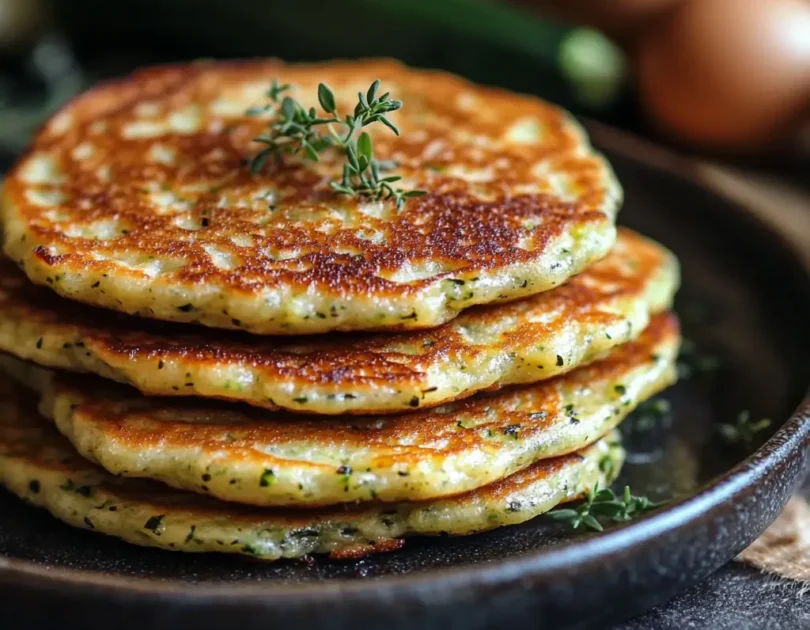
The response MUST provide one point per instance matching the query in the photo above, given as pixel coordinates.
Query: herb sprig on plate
(604, 504)
(744, 430)
(295, 130)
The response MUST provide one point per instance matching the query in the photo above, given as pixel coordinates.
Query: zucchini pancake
(39, 465)
(251, 456)
(278, 310)
(137, 196)
(525, 341)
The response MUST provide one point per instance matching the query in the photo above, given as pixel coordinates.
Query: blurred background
(728, 79)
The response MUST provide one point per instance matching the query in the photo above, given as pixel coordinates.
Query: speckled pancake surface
(138, 196)
(40, 466)
(525, 341)
(257, 457)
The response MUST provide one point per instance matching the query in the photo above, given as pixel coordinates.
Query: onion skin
(728, 74)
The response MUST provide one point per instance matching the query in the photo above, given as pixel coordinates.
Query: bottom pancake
(42, 467)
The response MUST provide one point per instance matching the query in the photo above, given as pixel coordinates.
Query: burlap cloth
(784, 548)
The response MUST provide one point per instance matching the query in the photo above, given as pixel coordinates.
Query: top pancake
(137, 196)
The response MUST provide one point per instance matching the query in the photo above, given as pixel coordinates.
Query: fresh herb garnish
(295, 130)
(744, 430)
(267, 478)
(607, 465)
(154, 523)
(604, 504)
(512, 430)
(291, 132)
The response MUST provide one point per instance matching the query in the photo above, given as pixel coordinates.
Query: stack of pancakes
(214, 359)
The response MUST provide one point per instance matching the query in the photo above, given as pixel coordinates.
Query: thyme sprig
(292, 131)
(604, 504)
(296, 130)
(744, 430)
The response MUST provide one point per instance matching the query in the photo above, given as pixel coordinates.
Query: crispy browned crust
(386, 545)
(248, 455)
(506, 233)
(490, 346)
(41, 467)
(144, 424)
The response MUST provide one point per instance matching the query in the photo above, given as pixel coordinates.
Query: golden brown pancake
(138, 196)
(530, 340)
(252, 456)
(40, 466)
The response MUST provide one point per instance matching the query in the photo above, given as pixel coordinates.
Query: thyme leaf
(744, 430)
(295, 130)
(604, 504)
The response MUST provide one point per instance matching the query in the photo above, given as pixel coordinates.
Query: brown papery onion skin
(728, 74)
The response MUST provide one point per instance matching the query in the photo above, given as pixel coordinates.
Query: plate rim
(789, 444)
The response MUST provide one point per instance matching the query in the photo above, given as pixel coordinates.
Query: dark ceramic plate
(746, 298)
